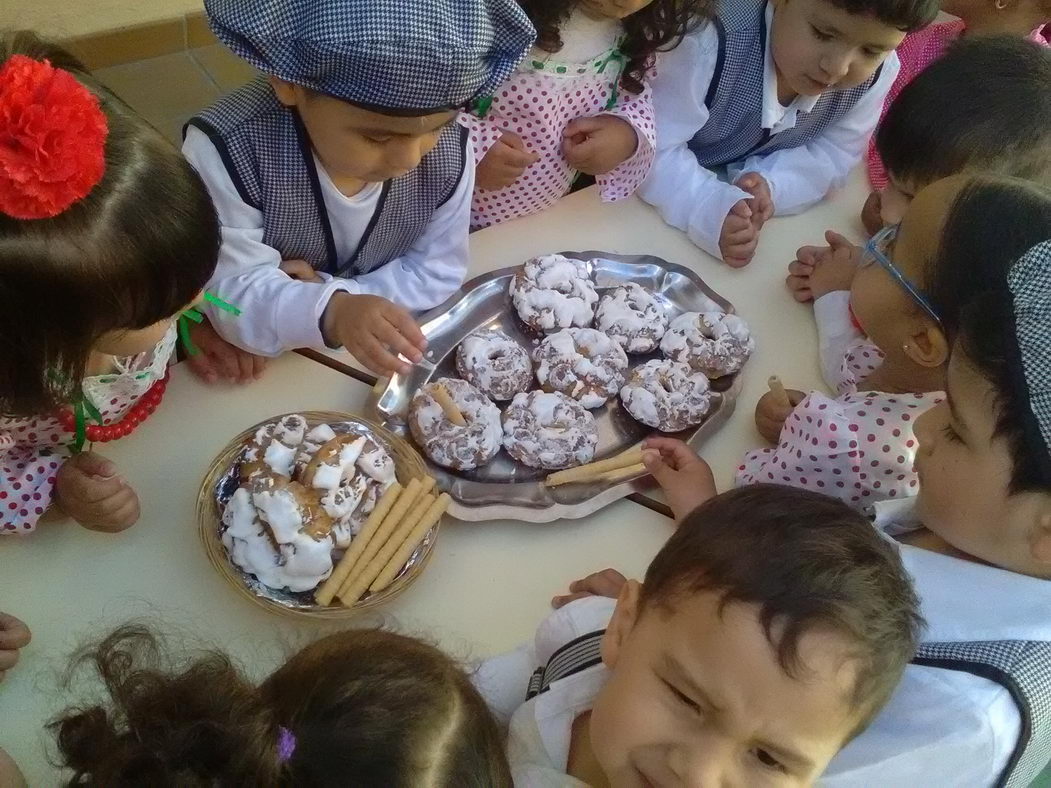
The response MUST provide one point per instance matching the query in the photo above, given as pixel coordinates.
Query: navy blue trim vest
(268, 155)
(735, 95)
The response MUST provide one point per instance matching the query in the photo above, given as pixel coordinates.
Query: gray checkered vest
(267, 153)
(735, 95)
(1022, 667)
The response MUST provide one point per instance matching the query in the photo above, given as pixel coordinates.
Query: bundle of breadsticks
(618, 468)
(393, 531)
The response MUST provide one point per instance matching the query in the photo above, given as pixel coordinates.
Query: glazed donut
(581, 363)
(448, 444)
(549, 431)
(494, 363)
(633, 317)
(667, 395)
(714, 343)
(554, 292)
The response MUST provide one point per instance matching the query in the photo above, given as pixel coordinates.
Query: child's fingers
(245, 368)
(741, 253)
(742, 209)
(373, 355)
(608, 582)
(512, 140)
(800, 268)
(116, 513)
(258, 365)
(406, 326)
(510, 157)
(835, 240)
(203, 367)
(81, 489)
(389, 335)
(8, 659)
(800, 288)
(586, 126)
(93, 464)
(13, 632)
(673, 451)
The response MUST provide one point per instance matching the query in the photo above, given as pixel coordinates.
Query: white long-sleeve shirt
(847, 356)
(693, 198)
(279, 313)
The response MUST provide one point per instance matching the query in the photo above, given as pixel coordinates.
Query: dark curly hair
(659, 26)
(366, 707)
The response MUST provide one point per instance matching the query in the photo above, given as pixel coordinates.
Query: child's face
(817, 46)
(359, 144)
(965, 473)
(696, 696)
(612, 9)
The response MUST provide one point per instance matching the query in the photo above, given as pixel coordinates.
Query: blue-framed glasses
(876, 252)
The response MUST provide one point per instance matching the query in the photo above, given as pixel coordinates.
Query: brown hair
(366, 707)
(808, 562)
(134, 251)
(659, 26)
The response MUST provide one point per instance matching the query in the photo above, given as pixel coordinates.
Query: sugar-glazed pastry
(714, 343)
(581, 363)
(667, 395)
(554, 292)
(460, 447)
(495, 364)
(632, 316)
(550, 431)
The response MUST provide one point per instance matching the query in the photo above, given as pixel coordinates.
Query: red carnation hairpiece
(52, 139)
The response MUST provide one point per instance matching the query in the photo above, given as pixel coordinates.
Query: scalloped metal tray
(505, 489)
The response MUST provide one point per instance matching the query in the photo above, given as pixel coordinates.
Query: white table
(485, 590)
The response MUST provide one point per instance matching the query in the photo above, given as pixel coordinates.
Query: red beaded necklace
(139, 412)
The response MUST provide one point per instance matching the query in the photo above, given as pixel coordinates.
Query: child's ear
(1040, 538)
(622, 622)
(927, 346)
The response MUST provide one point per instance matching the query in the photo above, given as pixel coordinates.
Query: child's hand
(771, 413)
(88, 489)
(504, 163)
(739, 236)
(819, 270)
(606, 583)
(219, 360)
(686, 479)
(598, 144)
(14, 635)
(802, 268)
(872, 213)
(375, 331)
(762, 203)
(301, 271)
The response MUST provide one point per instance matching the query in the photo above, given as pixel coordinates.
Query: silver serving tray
(505, 489)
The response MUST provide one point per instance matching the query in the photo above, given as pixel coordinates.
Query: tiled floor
(167, 90)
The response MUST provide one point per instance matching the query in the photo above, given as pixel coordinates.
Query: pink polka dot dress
(32, 449)
(546, 93)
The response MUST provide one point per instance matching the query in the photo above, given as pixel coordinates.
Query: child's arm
(801, 176)
(687, 195)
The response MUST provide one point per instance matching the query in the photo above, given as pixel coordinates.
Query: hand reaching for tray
(685, 478)
(375, 331)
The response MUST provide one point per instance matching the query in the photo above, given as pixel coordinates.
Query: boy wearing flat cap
(342, 185)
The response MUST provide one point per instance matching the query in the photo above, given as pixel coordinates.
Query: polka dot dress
(537, 103)
(858, 447)
(861, 360)
(33, 449)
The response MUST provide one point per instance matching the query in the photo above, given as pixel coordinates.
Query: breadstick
(390, 525)
(328, 589)
(620, 474)
(378, 559)
(452, 412)
(632, 456)
(778, 390)
(397, 561)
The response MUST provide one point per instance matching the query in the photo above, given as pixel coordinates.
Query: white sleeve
(687, 195)
(801, 176)
(278, 313)
(835, 334)
(435, 266)
(940, 728)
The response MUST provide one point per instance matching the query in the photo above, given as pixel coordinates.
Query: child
(14, 636)
(784, 95)
(360, 707)
(1015, 18)
(976, 540)
(769, 630)
(344, 155)
(589, 69)
(906, 299)
(106, 235)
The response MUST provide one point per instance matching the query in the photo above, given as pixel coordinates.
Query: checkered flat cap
(1030, 283)
(394, 54)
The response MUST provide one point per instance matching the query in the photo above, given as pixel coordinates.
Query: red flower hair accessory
(52, 139)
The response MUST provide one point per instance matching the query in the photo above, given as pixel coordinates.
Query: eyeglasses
(876, 252)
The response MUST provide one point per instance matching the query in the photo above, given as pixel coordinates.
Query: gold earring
(905, 347)
(1000, 5)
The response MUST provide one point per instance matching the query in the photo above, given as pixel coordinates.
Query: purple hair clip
(286, 744)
